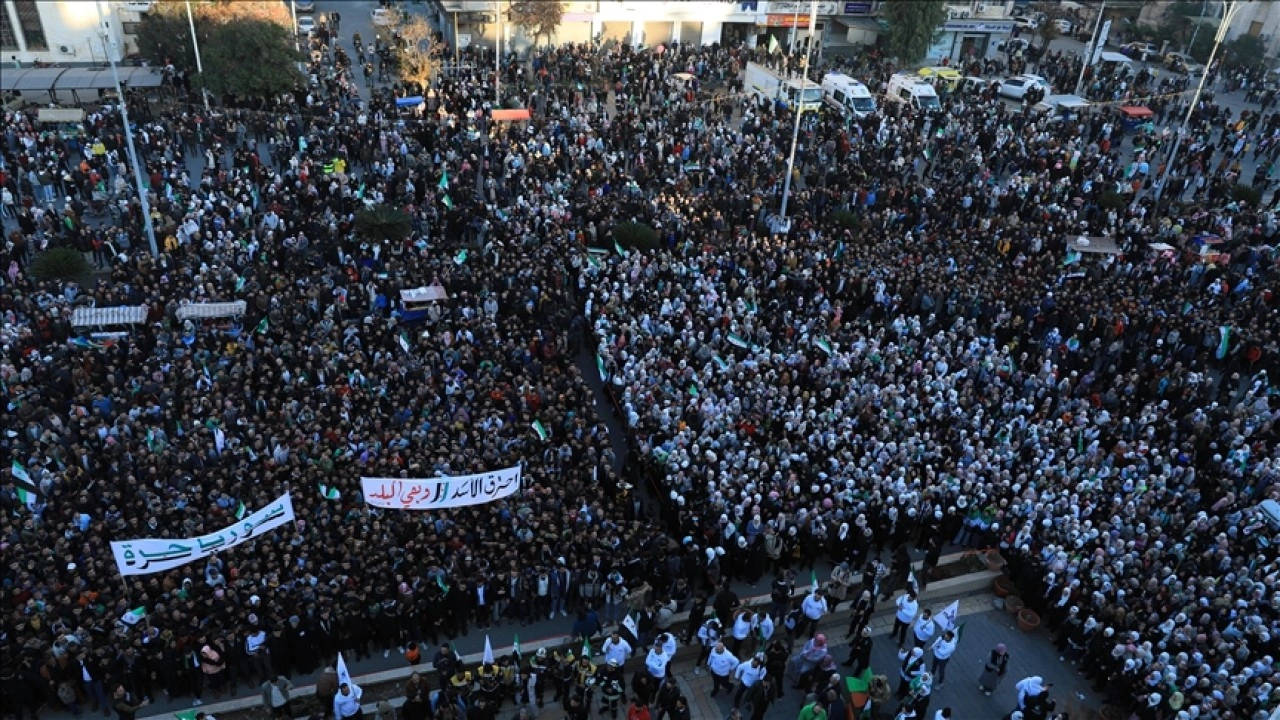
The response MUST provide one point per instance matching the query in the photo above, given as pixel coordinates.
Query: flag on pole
(487, 659)
(440, 581)
(773, 44)
(404, 342)
(239, 283)
(444, 180)
(26, 497)
(134, 616)
(629, 623)
(618, 249)
(240, 511)
(946, 619)
(515, 645)
(448, 201)
(737, 341)
(959, 632)
(1224, 343)
(27, 494)
(600, 367)
(262, 326)
(344, 675)
(813, 580)
(825, 346)
(586, 648)
(461, 257)
(329, 493)
(911, 582)
(540, 429)
(20, 473)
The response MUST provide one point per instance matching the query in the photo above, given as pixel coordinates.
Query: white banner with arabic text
(146, 556)
(440, 492)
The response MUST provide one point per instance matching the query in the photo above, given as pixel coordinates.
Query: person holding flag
(346, 704)
(615, 648)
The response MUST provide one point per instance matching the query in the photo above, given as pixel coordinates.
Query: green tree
(239, 51)
(913, 27)
(1245, 51)
(164, 37)
(65, 264)
(383, 222)
(1048, 32)
(537, 18)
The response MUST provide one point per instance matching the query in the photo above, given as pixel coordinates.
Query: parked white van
(847, 95)
(911, 89)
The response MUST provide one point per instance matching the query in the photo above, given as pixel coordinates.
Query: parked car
(1026, 23)
(1065, 27)
(1016, 87)
(304, 6)
(382, 16)
(1140, 50)
(306, 24)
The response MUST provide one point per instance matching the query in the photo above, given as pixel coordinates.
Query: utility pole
(1089, 49)
(195, 43)
(798, 109)
(293, 12)
(128, 138)
(1204, 5)
(1230, 8)
(497, 64)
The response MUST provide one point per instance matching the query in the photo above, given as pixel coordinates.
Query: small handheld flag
(134, 616)
(911, 582)
(262, 326)
(630, 624)
(487, 659)
(515, 645)
(539, 428)
(344, 675)
(444, 180)
(329, 493)
(240, 511)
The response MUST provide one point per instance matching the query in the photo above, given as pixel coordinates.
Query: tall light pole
(191, 23)
(497, 63)
(1230, 8)
(293, 13)
(798, 108)
(1089, 49)
(128, 138)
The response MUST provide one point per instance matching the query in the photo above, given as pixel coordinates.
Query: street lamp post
(1230, 8)
(798, 108)
(191, 22)
(1091, 47)
(497, 64)
(128, 139)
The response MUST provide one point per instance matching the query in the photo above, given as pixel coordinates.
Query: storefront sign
(859, 8)
(793, 7)
(978, 26)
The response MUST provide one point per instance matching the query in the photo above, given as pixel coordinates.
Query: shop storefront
(968, 39)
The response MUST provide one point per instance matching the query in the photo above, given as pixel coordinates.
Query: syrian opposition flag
(813, 580)
(240, 511)
(1224, 341)
(262, 326)
(515, 644)
(329, 493)
(134, 616)
(541, 429)
(911, 582)
(28, 494)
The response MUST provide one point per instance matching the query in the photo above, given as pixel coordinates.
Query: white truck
(787, 90)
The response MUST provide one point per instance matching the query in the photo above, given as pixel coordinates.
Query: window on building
(32, 27)
(8, 41)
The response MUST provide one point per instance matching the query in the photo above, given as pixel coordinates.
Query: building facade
(81, 32)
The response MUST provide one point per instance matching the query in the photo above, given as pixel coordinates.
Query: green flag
(26, 497)
(737, 341)
(329, 493)
(241, 511)
(185, 715)
(618, 248)
(859, 684)
(20, 473)
(239, 283)
(444, 180)
(824, 345)
(586, 648)
(813, 579)
(262, 326)
(600, 367)
(448, 201)
(461, 257)
(440, 581)
(539, 428)
(515, 644)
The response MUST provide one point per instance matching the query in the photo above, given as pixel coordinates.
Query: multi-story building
(1259, 18)
(651, 23)
(88, 31)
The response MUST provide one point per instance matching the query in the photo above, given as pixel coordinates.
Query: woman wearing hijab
(994, 669)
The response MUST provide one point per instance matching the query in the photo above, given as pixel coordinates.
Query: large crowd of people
(911, 357)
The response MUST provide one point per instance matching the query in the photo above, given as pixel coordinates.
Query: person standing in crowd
(275, 696)
(859, 653)
(723, 665)
(943, 648)
(124, 704)
(993, 669)
(924, 628)
(346, 704)
(903, 617)
(814, 606)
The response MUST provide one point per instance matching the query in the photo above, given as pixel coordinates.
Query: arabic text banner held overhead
(441, 492)
(146, 556)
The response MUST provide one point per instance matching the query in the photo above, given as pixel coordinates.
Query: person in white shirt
(814, 607)
(668, 643)
(615, 648)
(656, 662)
(766, 628)
(743, 624)
(943, 648)
(346, 704)
(924, 628)
(723, 664)
(708, 636)
(906, 613)
(255, 648)
(749, 673)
